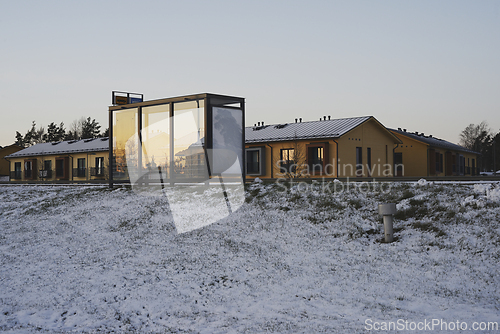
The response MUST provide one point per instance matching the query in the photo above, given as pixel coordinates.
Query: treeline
(83, 128)
(480, 138)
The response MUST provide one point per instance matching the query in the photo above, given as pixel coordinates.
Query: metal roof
(332, 128)
(64, 147)
(433, 141)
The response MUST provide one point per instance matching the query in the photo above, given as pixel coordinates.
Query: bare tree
(75, 129)
(291, 162)
(470, 135)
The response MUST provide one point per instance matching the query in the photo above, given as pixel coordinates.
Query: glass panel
(81, 167)
(156, 141)
(227, 140)
(125, 143)
(253, 162)
(189, 140)
(59, 167)
(316, 159)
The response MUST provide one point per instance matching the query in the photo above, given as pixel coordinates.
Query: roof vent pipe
(262, 123)
(258, 123)
(328, 117)
(399, 129)
(295, 120)
(324, 118)
(300, 120)
(404, 130)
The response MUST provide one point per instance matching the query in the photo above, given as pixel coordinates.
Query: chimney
(430, 136)
(259, 123)
(324, 118)
(399, 129)
(328, 117)
(300, 120)
(295, 120)
(262, 123)
(404, 130)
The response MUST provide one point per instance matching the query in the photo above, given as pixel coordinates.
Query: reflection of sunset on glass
(167, 139)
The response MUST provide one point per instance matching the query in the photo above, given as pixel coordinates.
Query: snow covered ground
(301, 259)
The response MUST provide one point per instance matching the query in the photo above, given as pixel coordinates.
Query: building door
(62, 166)
(398, 164)
(448, 160)
(18, 170)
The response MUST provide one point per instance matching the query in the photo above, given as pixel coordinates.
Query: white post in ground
(387, 210)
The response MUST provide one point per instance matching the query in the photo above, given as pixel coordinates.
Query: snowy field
(301, 260)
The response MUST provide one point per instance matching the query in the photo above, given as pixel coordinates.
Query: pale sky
(428, 66)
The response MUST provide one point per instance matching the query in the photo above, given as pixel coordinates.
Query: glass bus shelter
(183, 139)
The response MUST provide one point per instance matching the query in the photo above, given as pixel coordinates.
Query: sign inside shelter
(135, 99)
(121, 100)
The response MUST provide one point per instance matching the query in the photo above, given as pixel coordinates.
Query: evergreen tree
(19, 140)
(55, 133)
(90, 129)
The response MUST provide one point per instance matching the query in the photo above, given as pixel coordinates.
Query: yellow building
(348, 147)
(420, 155)
(74, 160)
(5, 151)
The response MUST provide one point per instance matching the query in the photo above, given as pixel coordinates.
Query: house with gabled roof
(4, 164)
(72, 160)
(421, 155)
(330, 148)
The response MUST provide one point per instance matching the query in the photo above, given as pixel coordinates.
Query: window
(28, 169)
(359, 161)
(17, 170)
(61, 168)
(47, 169)
(315, 159)
(81, 167)
(99, 166)
(398, 164)
(287, 159)
(255, 160)
(462, 164)
(369, 160)
(439, 163)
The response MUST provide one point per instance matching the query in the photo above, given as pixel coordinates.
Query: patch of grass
(439, 208)
(328, 203)
(416, 212)
(407, 194)
(428, 227)
(417, 202)
(355, 203)
(251, 194)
